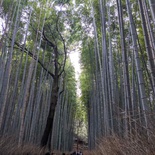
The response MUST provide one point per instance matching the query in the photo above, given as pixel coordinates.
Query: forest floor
(107, 146)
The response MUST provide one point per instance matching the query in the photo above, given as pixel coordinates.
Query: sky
(75, 59)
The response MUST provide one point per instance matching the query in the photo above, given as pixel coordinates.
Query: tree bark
(50, 118)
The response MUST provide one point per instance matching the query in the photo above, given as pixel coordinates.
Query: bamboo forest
(77, 77)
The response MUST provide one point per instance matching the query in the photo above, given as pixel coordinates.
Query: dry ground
(106, 146)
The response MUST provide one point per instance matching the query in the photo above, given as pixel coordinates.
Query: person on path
(81, 153)
(78, 153)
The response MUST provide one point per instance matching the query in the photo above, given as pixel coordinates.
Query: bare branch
(64, 46)
(63, 84)
(53, 37)
(34, 57)
(48, 41)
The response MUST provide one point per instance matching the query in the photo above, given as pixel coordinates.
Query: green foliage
(70, 81)
(62, 1)
(88, 67)
(85, 88)
(6, 6)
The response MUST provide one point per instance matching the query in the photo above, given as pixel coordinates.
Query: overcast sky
(75, 59)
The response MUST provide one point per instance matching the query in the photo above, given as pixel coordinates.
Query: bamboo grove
(38, 96)
(118, 64)
(37, 81)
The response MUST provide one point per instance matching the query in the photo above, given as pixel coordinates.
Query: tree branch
(64, 46)
(48, 41)
(63, 84)
(34, 57)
